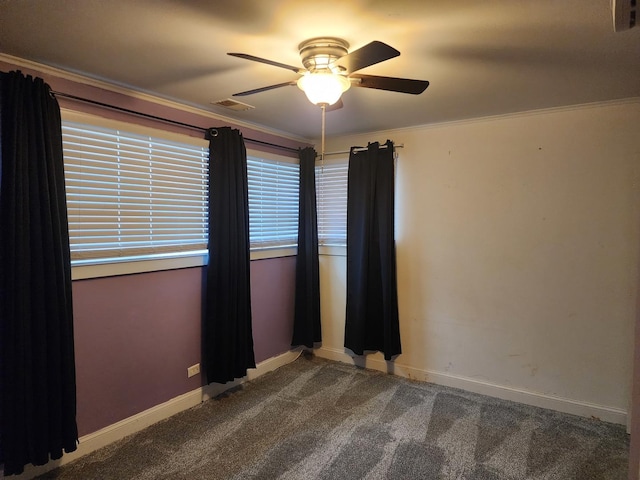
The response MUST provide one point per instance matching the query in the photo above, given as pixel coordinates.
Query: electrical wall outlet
(193, 370)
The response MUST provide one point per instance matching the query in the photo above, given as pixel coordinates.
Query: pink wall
(137, 334)
(272, 305)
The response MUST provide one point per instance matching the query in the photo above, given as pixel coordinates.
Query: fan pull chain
(323, 107)
(322, 179)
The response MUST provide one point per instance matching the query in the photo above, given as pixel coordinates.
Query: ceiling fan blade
(268, 62)
(370, 54)
(402, 85)
(336, 106)
(264, 89)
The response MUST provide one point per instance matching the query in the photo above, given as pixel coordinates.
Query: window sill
(333, 250)
(273, 252)
(111, 268)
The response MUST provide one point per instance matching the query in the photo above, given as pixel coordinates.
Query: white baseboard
(560, 404)
(128, 426)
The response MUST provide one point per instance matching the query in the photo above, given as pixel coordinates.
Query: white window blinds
(132, 195)
(273, 202)
(331, 199)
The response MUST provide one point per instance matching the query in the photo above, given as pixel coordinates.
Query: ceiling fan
(330, 70)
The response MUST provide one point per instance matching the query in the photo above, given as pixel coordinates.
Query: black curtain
(372, 298)
(306, 323)
(227, 335)
(38, 370)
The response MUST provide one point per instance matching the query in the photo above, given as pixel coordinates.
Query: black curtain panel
(306, 323)
(372, 299)
(227, 334)
(38, 370)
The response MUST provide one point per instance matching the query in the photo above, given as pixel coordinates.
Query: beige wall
(517, 247)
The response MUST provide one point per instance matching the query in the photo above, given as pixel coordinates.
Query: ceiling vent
(624, 14)
(233, 105)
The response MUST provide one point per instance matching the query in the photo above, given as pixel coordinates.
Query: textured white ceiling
(482, 57)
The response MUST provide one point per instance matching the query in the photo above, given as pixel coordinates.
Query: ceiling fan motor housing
(319, 53)
(330, 69)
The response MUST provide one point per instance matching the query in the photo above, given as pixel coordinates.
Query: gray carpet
(316, 419)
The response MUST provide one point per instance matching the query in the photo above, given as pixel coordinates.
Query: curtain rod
(213, 131)
(361, 149)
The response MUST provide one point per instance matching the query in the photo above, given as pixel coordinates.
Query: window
(273, 201)
(132, 195)
(331, 195)
(137, 198)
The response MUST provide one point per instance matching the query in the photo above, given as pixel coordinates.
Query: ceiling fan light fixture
(323, 88)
